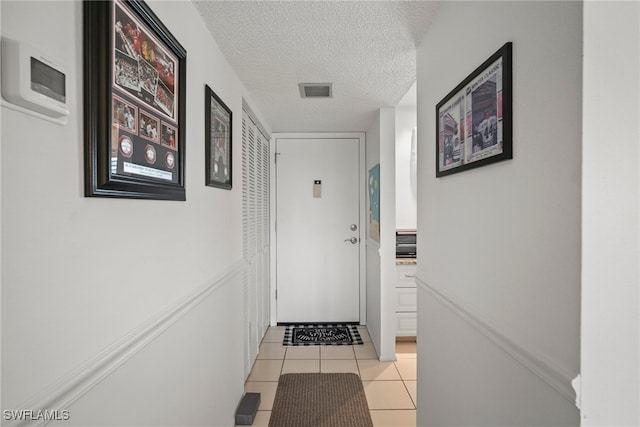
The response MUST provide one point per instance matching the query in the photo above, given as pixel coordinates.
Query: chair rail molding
(558, 378)
(68, 389)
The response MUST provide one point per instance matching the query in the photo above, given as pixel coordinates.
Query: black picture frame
(474, 121)
(134, 103)
(218, 141)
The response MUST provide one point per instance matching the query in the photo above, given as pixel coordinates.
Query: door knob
(353, 227)
(353, 240)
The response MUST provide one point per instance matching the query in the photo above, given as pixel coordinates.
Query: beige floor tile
(261, 420)
(406, 350)
(337, 352)
(336, 365)
(365, 351)
(371, 370)
(265, 370)
(274, 334)
(303, 352)
(394, 418)
(387, 395)
(364, 334)
(413, 391)
(407, 368)
(271, 350)
(267, 390)
(292, 366)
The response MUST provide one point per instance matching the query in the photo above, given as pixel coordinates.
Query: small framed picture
(218, 141)
(474, 121)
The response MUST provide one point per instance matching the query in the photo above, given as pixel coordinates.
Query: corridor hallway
(390, 387)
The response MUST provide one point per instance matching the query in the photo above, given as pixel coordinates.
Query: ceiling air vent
(316, 90)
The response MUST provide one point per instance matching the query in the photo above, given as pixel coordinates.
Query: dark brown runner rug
(320, 400)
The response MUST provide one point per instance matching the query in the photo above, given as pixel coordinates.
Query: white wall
(372, 156)
(86, 282)
(1, 259)
(387, 349)
(406, 202)
(499, 271)
(381, 255)
(610, 212)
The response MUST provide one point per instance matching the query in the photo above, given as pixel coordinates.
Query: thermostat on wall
(33, 81)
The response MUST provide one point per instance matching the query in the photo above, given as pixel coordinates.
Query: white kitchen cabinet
(406, 303)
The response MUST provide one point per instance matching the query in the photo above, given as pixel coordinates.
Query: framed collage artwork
(474, 121)
(135, 81)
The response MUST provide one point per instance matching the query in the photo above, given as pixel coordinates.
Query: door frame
(360, 136)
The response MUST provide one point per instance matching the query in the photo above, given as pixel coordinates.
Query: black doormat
(326, 334)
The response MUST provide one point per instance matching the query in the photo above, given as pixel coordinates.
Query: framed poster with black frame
(474, 121)
(218, 141)
(134, 102)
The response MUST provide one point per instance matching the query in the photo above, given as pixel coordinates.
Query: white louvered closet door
(255, 224)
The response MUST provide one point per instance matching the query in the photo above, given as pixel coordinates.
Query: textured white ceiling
(365, 48)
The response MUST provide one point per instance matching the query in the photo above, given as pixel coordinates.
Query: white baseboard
(548, 371)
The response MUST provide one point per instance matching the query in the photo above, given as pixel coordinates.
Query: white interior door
(318, 230)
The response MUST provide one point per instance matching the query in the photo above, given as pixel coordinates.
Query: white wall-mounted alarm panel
(32, 80)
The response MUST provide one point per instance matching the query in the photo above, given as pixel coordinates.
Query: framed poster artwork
(218, 123)
(474, 121)
(374, 203)
(134, 102)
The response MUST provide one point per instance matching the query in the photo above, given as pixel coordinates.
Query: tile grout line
(415, 407)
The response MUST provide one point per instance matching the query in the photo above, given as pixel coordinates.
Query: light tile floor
(390, 386)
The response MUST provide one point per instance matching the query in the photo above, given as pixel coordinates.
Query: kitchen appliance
(406, 243)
